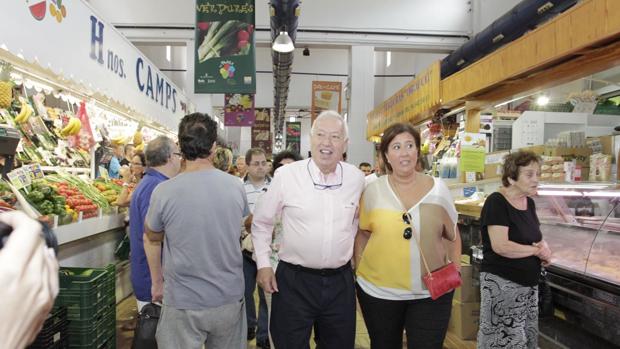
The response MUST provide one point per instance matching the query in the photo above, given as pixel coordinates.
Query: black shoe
(263, 344)
(251, 333)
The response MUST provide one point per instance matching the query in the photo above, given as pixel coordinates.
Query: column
(202, 101)
(362, 89)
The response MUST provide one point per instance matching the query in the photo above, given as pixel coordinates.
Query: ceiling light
(291, 119)
(542, 100)
(283, 43)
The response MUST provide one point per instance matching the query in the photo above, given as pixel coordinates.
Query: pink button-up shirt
(318, 226)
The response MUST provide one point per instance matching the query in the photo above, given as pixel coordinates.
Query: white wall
(420, 16)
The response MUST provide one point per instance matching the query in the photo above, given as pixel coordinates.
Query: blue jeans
(249, 273)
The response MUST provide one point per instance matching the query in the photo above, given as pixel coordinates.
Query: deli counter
(581, 224)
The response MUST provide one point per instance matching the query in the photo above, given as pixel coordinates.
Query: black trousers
(307, 298)
(425, 321)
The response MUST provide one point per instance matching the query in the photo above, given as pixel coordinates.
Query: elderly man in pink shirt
(318, 200)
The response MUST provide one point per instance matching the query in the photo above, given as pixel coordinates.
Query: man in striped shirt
(255, 183)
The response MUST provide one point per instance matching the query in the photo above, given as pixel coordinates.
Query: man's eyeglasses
(319, 186)
(178, 154)
(408, 232)
(258, 163)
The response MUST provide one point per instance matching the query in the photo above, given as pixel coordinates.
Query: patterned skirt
(508, 314)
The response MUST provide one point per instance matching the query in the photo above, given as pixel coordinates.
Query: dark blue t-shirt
(140, 200)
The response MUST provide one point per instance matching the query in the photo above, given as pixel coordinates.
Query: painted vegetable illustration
(38, 10)
(221, 39)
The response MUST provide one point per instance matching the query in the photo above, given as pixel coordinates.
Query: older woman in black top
(513, 249)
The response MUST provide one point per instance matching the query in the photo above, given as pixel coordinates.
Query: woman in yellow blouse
(397, 212)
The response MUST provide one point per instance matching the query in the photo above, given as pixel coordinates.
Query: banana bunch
(120, 140)
(73, 127)
(138, 141)
(25, 112)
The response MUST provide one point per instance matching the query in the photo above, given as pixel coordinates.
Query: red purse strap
(417, 241)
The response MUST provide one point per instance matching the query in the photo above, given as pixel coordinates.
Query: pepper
(36, 196)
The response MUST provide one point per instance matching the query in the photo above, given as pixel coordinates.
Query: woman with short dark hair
(282, 158)
(403, 214)
(513, 248)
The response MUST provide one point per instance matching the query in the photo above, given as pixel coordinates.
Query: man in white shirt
(318, 200)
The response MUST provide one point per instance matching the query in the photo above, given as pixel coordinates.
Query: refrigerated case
(581, 224)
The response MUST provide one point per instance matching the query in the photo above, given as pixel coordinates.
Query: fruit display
(109, 189)
(6, 94)
(77, 202)
(73, 128)
(74, 183)
(25, 111)
(138, 140)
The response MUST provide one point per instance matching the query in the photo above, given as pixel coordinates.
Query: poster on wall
(261, 131)
(238, 109)
(293, 136)
(473, 150)
(224, 57)
(326, 95)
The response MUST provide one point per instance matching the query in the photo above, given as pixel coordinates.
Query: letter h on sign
(94, 39)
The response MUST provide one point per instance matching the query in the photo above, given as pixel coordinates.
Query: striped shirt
(252, 192)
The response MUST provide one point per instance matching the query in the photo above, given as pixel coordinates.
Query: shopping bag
(144, 335)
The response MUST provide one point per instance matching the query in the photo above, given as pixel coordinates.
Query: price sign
(20, 178)
(36, 172)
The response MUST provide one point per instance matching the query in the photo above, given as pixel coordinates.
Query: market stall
(492, 107)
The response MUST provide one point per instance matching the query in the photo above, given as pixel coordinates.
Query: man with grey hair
(163, 161)
(317, 200)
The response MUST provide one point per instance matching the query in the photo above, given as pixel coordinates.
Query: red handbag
(442, 280)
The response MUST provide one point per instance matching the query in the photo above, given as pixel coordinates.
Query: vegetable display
(47, 199)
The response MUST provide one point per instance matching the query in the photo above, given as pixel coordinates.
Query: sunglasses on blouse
(408, 232)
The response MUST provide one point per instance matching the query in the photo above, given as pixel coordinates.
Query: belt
(322, 272)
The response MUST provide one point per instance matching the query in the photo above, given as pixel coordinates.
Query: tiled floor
(126, 312)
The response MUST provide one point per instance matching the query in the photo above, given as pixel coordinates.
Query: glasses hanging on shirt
(408, 232)
(319, 186)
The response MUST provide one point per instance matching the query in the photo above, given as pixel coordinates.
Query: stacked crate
(89, 296)
(55, 331)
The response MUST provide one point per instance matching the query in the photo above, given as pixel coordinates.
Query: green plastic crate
(93, 333)
(84, 295)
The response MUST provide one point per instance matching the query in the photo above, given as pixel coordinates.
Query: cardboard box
(581, 155)
(494, 163)
(464, 320)
(469, 292)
